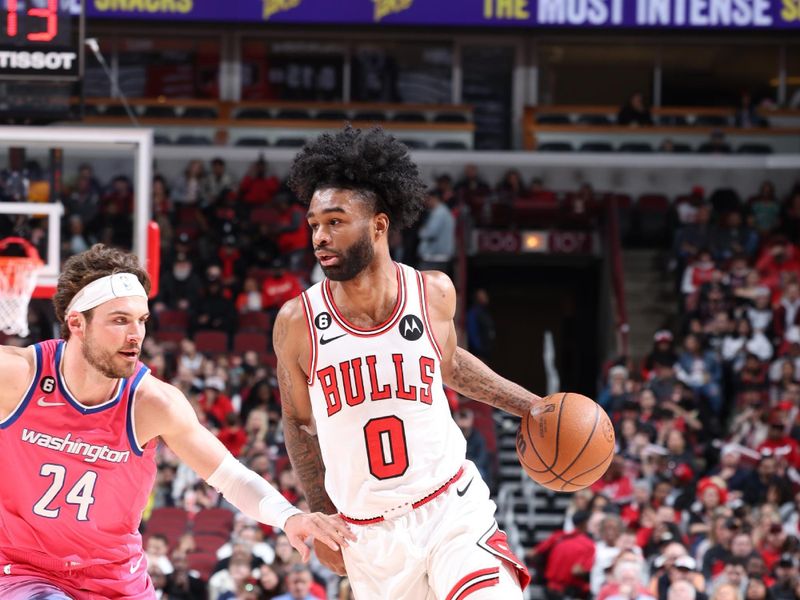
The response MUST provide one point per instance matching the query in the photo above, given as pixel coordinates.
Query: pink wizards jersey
(76, 481)
(383, 421)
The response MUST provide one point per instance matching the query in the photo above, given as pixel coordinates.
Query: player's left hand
(331, 530)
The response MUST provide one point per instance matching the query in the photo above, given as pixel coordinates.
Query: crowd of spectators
(703, 497)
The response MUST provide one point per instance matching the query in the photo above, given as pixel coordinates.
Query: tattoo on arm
(472, 378)
(306, 459)
(303, 448)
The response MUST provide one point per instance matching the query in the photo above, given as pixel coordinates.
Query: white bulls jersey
(383, 421)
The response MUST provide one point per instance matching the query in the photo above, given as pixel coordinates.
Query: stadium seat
(245, 341)
(171, 338)
(252, 142)
(263, 215)
(210, 542)
(213, 521)
(115, 110)
(672, 120)
(331, 115)
(202, 562)
(553, 119)
(254, 321)
(532, 212)
(708, 148)
(169, 521)
(159, 112)
(258, 273)
(209, 341)
(502, 215)
(193, 140)
(450, 118)
(188, 214)
(409, 117)
(369, 115)
(253, 113)
(450, 145)
(292, 142)
(199, 112)
(680, 148)
(555, 147)
(596, 147)
(269, 360)
(415, 144)
(594, 120)
(173, 319)
(292, 113)
(636, 147)
(754, 149)
(162, 140)
(711, 121)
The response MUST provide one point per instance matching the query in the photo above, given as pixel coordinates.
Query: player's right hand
(330, 530)
(332, 559)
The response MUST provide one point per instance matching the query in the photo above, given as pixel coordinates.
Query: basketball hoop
(17, 281)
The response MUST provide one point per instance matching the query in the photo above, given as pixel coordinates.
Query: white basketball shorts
(447, 549)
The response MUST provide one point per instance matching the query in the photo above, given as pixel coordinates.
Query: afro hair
(372, 163)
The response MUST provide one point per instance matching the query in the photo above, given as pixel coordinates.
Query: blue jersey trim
(85, 410)
(29, 394)
(137, 450)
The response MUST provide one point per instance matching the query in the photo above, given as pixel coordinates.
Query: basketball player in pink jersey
(362, 358)
(79, 422)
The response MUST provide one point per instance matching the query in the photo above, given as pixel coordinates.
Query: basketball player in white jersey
(362, 357)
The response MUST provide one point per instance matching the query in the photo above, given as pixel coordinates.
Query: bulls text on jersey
(345, 384)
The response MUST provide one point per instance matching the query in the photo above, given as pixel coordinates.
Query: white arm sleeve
(248, 492)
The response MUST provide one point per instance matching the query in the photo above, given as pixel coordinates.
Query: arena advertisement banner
(698, 14)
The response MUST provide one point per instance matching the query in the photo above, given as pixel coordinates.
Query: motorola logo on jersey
(322, 320)
(411, 328)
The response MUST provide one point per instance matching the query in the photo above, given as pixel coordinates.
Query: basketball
(565, 442)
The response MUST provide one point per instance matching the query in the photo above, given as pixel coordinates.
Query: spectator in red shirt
(614, 484)
(232, 435)
(777, 258)
(213, 401)
(569, 561)
(256, 188)
(293, 233)
(782, 446)
(278, 287)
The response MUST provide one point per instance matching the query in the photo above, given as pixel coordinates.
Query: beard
(352, 261)
(103, 360)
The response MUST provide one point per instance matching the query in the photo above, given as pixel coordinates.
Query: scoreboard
(41, 40)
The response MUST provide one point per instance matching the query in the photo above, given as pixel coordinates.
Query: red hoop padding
(153, 256)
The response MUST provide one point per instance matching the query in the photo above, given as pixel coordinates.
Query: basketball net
(17, 282)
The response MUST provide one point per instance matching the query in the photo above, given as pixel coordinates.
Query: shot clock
(41, 40)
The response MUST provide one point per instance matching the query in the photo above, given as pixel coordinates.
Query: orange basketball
(565, 442)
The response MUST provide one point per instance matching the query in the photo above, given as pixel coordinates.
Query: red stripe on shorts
(477, 586)
(454, 591)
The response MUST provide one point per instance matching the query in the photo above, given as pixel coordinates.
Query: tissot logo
(37, 61)
(411, 328)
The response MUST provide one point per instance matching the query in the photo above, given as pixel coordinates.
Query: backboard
(35, 163)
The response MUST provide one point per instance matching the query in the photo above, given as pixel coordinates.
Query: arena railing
(257, 123)
(688, 129)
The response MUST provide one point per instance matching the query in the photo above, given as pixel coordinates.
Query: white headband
(118, 285)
